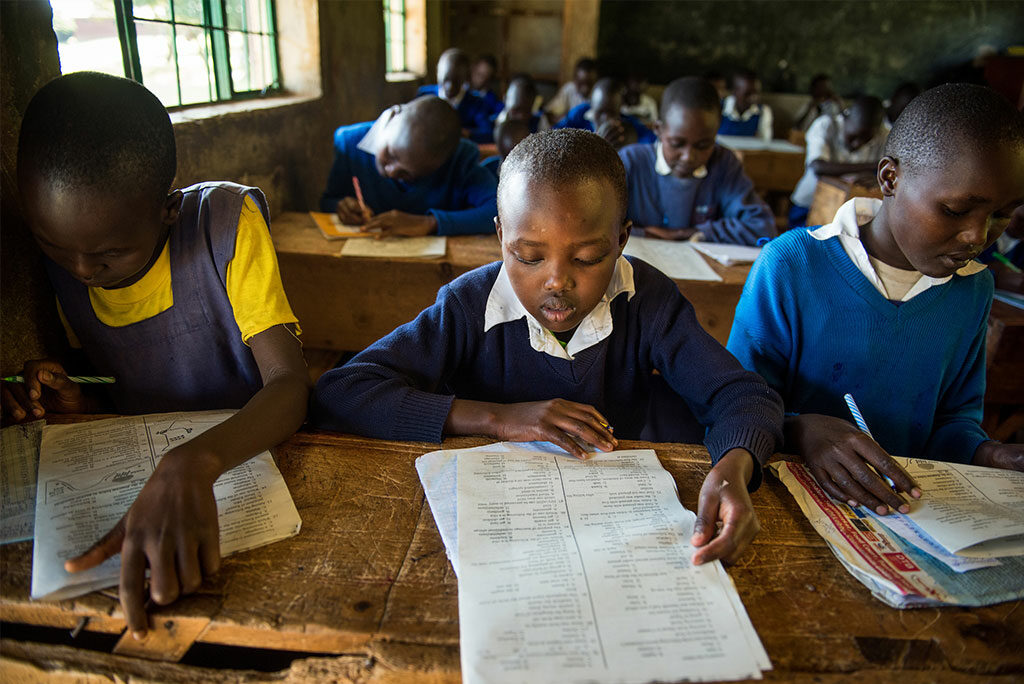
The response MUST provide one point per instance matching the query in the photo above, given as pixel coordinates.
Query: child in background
(176, 294)
(508, 134)
(742, 111)
(575, 92)
(418, 176)
(684, 184)
(482, 82)
(824, 102)
(603, 115)
(453, 87)
(636, 102)
(561, 340)
(887, 303)
(716, 79)
(901, 97)
(851, 143)
(520, 98)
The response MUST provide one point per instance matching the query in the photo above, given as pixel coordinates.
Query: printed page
(90, 474)
(580, 571)
(397, 247)
(677, 260)
(19, 458)
(332, 228)
(727, 255)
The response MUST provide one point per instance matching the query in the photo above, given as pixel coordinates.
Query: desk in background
(348, 303)
(833, 192)
(366, 593)
(774, 166)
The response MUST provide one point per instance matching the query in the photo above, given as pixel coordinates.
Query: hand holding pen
(44, 386)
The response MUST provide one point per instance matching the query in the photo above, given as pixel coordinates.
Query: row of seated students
(176, 293)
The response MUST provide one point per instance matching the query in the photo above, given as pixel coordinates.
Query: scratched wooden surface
(348, 303)
(367, 584)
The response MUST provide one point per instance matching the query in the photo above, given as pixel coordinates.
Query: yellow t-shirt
(254, 286)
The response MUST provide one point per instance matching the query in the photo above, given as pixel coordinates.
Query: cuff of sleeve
(962, 446)
(757, 443)
(421, 416)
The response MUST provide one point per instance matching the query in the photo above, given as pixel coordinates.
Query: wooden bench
(832, 193)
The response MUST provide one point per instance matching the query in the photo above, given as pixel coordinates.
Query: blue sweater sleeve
(744, 216)
(339, 180)
(477, 192)
(394, 388)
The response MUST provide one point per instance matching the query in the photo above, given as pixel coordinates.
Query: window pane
(250, 61)
(235, 12)
(156, 53)
(195, 66)
(151, 9)
(189, 11)
(87, 37)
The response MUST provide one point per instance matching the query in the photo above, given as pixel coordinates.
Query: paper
(727, 255)
(905, 528)
(575, 571)
(19, 458)
(752, 143)
(90, 473)
(397, 247)
(332, 228)
(678, 260)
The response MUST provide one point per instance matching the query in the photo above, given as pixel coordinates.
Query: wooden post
(579, 33)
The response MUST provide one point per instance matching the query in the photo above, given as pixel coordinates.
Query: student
(887, 304)
(561, 339)
(603, 115)
(520, 98)
(453, 87)
(850, 143)
(824, 102)
(901, 97)
(508, 134)
(575, 92)
(742, 111)
(636, 102)
(417, 176)
(716, 79)
(684, 185)
(482, 82)
(176, 294)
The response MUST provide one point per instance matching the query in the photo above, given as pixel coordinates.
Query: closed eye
(591, 262)
(951, 212)
(528, 262)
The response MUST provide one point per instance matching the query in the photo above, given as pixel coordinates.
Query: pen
(1005, 262)
(862, 424)
(80, 379)
(359, 195)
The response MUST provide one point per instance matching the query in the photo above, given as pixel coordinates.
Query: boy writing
(742, 110)
(418, 177)
(560, 340)
(174, 293)
(453, 87)
(887, 303)
(684, 184)
(603, 115)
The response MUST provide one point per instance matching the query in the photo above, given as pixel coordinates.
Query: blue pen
(862, 424)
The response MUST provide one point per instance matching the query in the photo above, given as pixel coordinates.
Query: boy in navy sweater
(417, 175)
(887, 303)
(453, 87)
(560, 341)
(684, 183)
(603, 115)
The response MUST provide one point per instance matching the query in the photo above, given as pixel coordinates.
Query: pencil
(80, 379)
(1005, 262)
(359, 194)
(863, 425)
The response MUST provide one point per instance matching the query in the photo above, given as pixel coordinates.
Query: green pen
(1005, 262)
(80, 379)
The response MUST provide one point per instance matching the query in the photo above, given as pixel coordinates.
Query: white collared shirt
(374, 138)
(503, 306)
(661, 166)
(764, 124)
(824, 140)
(455, 101)
(846, 225)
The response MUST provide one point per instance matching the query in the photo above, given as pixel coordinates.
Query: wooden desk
(348, 303)
(1004, 376)
(366, 587)
(773, 167)
(831, 193)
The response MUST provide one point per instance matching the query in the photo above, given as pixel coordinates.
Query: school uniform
(491, 100)
(493, 164)
(722, 205)
(474, 113)
(478, 342)
(460, 194)
(177, 339)
(538, 121)
(583, 117)
(645, 110)
(566, 99)
(817, 320)
(756, 121)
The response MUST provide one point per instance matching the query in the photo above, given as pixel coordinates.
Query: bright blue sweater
(474, 113)
(815, 328)
(576, 119)
(723, 205)
(461, 195)
(402, 386)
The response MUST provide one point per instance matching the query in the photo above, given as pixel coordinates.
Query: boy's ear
(888, 175)
(171, 209)
(497, 227)
(627, 228)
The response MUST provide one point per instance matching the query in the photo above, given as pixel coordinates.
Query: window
(405, 39)
(394, 36)
(185, 51)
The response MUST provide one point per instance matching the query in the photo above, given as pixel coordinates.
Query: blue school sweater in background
(815, 328)
(402, 387)
(722, 205)
(492, 164)
(576, 118)
(461, 195)
(474, 113)
(494, 103)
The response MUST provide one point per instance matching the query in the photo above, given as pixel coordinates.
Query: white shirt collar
(455, 101)
(374, 138)
(661, 166)
(729, 109)
(503, 306)
(589, 116)
(846, 226)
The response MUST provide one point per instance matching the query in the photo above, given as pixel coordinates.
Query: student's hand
(171, 528)
(396, 222)
(838, 454)
(352, 213)
(46, 388)
(557, 421)
(724, 501)
(994, 454)
(660, 233)
(613, 131)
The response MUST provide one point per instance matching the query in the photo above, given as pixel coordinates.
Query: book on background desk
(19, 458)
(753, 143)
(1009, 297)
(728, 255)
(332, 228)
(678, 260)
(427, 247)
(90, 474)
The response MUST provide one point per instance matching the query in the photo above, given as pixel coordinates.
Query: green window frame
(396, 52)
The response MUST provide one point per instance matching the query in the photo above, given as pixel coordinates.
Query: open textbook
(897, 556)
(90, 473)
(573, 571)
(677, 260)
(19, 457)
(429, 246)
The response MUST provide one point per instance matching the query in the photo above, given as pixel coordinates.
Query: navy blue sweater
(402, 387)
(576, 118)
(475, 113)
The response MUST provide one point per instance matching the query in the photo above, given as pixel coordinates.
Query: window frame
(391, 17)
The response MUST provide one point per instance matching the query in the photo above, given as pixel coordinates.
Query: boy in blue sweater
(417, 175)
(520, 98)
(560, 341)
(887, 303)
(685, 184)
(603, 115)
(475, 113)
